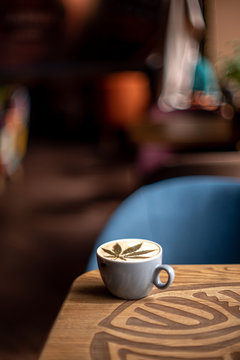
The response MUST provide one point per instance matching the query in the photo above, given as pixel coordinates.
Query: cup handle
(156, 279)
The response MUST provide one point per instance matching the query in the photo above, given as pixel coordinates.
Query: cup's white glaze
(131, 275)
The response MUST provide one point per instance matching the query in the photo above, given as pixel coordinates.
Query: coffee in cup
(130, 267)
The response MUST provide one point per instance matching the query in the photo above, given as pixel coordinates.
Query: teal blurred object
(194, 218)
(205, 78)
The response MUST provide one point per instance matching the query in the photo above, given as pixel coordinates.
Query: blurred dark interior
(81, 129)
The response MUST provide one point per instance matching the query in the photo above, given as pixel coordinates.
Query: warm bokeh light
(125, 97)
(78, 13)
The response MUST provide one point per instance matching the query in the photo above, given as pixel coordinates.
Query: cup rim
(129, 260)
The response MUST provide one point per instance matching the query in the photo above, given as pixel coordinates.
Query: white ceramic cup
(130, 267)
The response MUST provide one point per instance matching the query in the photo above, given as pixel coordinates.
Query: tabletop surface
(197, 317)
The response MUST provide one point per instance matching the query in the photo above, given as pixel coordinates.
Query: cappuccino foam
(129, 250)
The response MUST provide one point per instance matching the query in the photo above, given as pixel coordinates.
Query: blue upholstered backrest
(196, 219)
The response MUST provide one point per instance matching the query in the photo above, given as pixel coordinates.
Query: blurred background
(99, 97)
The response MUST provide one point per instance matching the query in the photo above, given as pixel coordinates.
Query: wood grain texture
(198, 317)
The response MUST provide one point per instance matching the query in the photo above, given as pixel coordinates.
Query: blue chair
(196, 219)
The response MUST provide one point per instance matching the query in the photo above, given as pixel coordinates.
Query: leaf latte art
(126, 251)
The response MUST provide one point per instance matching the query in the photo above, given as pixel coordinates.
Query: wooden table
(198, 317)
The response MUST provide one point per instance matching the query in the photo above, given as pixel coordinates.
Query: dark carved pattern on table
(198, 321)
